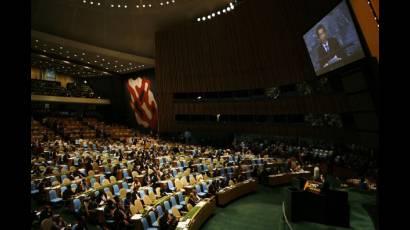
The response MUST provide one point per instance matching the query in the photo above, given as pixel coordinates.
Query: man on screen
(329, 49)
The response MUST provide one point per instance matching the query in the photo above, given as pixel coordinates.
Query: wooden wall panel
(258, 45)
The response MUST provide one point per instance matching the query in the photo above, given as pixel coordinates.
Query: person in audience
(135, 184)
(128, 201)
(46, 212)
(68, 193)
(211, 189)
(171, 222)
(194, 198)
(80, 224)
(58, 222)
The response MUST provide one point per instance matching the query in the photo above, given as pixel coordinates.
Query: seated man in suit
(329, 50)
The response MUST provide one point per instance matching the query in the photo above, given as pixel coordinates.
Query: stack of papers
(136, 217)
(183, 224)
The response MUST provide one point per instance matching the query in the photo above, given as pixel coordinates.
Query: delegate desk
(330, 207)
(230, 193)
(198, 215)
(285, 178)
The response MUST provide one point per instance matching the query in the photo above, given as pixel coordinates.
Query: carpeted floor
(263, 210)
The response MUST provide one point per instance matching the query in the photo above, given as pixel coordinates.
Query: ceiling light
(44, 51)
(130, 63)
(75, 55)
(91, 3)
(112, 5)
(138, 6)
(95, 61)
(82, 59)
(219, 12)
(228, 8)
(198, 19)
(161, 3)
(125, 6)
(83, 54)
(84, 1)
(108, 63)
(231, 4)
(98, 3)
(52, 49)
(213, 14)
(85, 82)
(36, 40)
(149, 5)
(209, 16)
(167, 2)
(173, 1)
(223, 11)
(119, 6)
(143, 5)
(61, 47)
(68, 57)
(203, 18)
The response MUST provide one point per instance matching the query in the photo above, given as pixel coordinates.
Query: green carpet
(263, 210)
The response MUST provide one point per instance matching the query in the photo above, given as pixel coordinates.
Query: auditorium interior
(204, 114)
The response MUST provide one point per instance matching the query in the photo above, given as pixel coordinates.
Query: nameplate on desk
(183, 224)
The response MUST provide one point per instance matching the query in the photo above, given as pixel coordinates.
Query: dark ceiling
(108, 24)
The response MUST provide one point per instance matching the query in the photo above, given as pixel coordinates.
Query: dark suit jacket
(334, 49)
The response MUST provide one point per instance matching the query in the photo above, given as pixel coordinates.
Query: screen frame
(362, 41)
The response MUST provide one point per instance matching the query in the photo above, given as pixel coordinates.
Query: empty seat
(171, 186)
(145, 224)
(151, 196)
(176, 213)
(159, 211)
(204, 187)
(125, 175)
(106, 182)
(123, 193)
(153, 219)
(62, 178)
(142, 194)
(92, 181)
(174, 203)
(147, 200)
(116, 190)
(181, 199)
(138, 205)
(73, 187)
(167, 206)
(174, 172)
(101, 179)
(125, 186)
(53, 197)
(199, 192)
(77, 205)
(62, 190)
(158, 192)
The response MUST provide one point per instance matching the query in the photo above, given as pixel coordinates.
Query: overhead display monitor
(333, 42)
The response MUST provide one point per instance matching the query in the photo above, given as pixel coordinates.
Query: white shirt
(326, 46)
